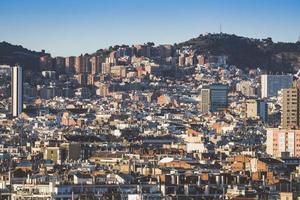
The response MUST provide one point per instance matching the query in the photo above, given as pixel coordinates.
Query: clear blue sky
(71, 27)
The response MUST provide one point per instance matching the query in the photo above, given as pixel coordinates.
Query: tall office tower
(17, 93)
(214, 98)
(282, 141)
(271, 84)
(290, 110)
(218, 97)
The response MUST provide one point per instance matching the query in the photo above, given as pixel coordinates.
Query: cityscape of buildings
(148, 122)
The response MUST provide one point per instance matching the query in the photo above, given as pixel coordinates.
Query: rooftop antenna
(220, 28)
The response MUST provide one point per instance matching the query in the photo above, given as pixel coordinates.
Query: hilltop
(16, 54)
(247, 52)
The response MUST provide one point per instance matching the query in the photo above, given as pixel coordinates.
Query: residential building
(290, 110)
(280, 141)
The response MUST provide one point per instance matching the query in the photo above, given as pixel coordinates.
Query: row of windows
(294, 103)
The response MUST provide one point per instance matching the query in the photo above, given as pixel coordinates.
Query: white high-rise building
(271, 84)
(17, 90)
